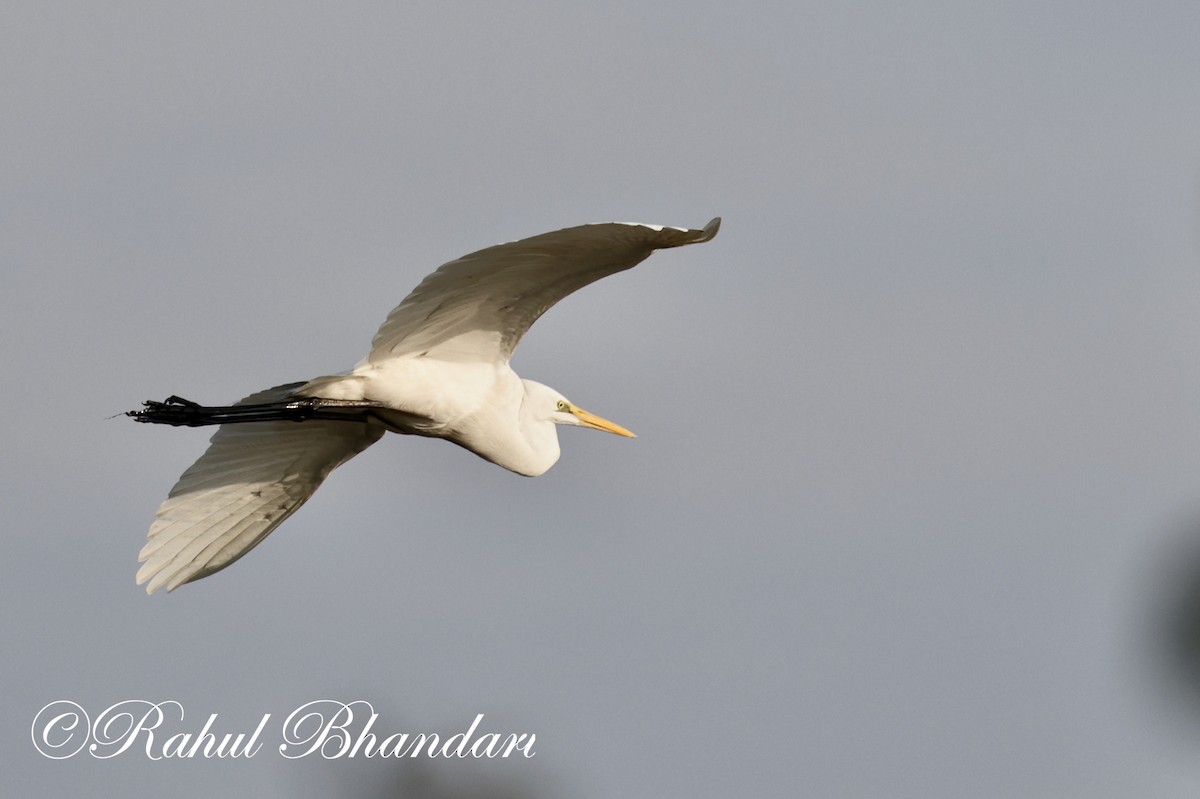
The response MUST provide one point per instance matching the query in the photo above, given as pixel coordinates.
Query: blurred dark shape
(1174, 605)
(419, 780)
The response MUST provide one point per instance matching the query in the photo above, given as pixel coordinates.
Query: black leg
(181, 412)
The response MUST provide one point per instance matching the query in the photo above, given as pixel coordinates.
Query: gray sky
(915, 506)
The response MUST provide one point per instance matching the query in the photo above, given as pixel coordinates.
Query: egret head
(566, 413)
(554, 407)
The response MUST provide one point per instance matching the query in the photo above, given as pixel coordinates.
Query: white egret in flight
(437, 367)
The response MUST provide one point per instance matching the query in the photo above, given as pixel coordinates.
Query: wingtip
(147, 578)
(160, 581)
(154, 576)
(710, 230)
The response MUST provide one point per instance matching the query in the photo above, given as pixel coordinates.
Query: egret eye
(563, 405)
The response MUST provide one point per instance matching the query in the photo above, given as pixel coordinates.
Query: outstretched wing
(478, 306)
(252, 477)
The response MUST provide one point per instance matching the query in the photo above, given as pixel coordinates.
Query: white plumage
(439, 366)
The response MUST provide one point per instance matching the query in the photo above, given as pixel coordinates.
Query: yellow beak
(599, 423)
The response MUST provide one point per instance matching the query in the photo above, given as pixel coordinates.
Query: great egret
(439, 366)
